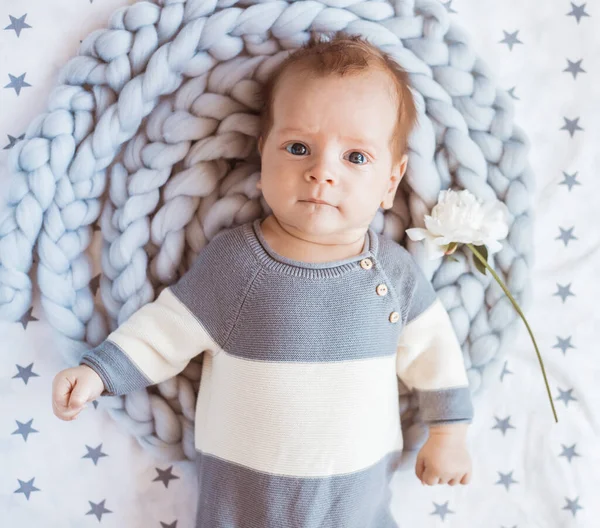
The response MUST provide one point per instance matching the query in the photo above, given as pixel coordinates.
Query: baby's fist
(72, 389)
(444, 459)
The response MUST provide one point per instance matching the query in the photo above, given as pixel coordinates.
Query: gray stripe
(234, 496)
(446, 405)
(284, 310)
(118, 373)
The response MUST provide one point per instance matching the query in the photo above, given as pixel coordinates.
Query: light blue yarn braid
(153, 111)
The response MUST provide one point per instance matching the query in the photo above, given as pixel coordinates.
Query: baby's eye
(357, 158)
(297, 149)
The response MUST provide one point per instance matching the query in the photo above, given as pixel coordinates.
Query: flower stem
(499, 281)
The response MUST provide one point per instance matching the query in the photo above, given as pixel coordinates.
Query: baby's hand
(72, 388)
(444, 459)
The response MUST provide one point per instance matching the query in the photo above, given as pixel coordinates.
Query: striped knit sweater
(297, 420)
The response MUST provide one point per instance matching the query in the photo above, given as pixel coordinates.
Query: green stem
(484, 262)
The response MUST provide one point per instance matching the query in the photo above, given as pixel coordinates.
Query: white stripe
(298, 419)
(429, 354)
(162, 336)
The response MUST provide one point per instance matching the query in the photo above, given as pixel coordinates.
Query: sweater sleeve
(192, 316)
(429, 357)
(154, 344)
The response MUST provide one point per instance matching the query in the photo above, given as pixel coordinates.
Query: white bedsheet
(526, 471)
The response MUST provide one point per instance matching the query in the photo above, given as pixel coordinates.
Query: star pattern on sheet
(506, 479)
(25, 429)
(564, 292)
(566, 396)
(578, 11)
(510, 39)
(573, 505)
(569, 452)
(165, 475)
(25, 373)
(574, 68)
(98, 509)
(27, 488)
(448, 6)
(505, 371)
(165, 525)
(503, 424)
(18, 24)
(566, 235)
(441, 509)
(94, 453)
(27, 318)
(571, 125)
(17, 82)
(12, 141)
(563, 343)
(511, 92)
(570, 180)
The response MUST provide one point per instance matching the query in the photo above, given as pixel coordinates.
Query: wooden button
(394, 317)
(366, 264)
(382, 290)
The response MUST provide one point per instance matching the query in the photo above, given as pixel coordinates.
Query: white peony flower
(459, 217)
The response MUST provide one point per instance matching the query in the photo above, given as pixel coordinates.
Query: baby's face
(330, 141)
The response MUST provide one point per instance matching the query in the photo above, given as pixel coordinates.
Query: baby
(305, 319)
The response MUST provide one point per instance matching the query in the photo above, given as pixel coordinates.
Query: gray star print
(572, 125)
(448, 6)
(563, 344)
(98, 509)
(441, 509)
(94, 453)
(165, 525)
(25, 429)
(27, 318)
(12, 141)
(511, 92)
(503, 425)
(26, 488)
(506, 480)
(566, 235)
(25, 373)
(564, 291)
(165, 475)
(573, 505)
(504, 371)
(574, 68)
(566, 396)
(569, 180)
(18, 24)
(578, 11)
(511, 39)
(569, 452)
(17, 83)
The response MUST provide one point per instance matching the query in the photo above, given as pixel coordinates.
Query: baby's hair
(340, 55)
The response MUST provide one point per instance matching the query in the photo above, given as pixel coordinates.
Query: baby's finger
(79, 396)
(419, 467)
(61, 388)
(466, 478)
(430, 477)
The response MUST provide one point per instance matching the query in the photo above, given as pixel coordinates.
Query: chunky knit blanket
(150, 139)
